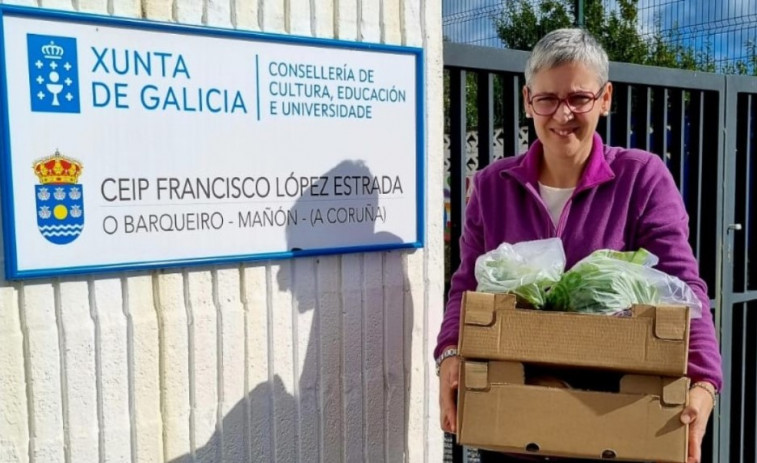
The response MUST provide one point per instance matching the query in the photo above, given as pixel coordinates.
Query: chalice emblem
(53, 73)
(54, 87)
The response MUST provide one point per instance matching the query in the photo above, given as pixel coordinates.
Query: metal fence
(725, 28)
(738, 317)
(721, 28)
(703, 126)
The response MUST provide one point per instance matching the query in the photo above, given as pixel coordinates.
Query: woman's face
(566, 134)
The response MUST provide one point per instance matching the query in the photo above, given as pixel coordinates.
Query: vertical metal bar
(677, 121)
(603, 128)
(711, 252)
(620, 120)
(579, 7)
(712, 193)
(658, 121)
(742, 409)
(664, 126)
(744, 149)
(511, 90)
(736, 252)
(750, 233)
(752, 360)
(458, 145)
(726, 169)
(744, 173)
(500, 83)
(531, 131)
(485, 105)
(696, 115)
(747, 187)
(643, 117)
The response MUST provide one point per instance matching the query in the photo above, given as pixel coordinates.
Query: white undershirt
(555, 199)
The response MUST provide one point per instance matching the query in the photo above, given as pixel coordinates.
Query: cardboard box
(654, 340)
(496, 410)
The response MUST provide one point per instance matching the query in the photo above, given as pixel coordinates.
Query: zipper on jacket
(553, 231)
(564, 216)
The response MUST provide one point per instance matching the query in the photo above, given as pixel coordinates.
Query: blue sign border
(6, 188)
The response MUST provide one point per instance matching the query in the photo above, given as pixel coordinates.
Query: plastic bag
(526, 269)
(609, 282)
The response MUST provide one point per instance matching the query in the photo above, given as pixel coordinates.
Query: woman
(592, 196)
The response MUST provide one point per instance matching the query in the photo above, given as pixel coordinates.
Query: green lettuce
(605, 282)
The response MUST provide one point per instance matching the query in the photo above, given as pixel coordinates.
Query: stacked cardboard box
(499, 408)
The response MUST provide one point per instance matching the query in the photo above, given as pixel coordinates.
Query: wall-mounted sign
(133, 144)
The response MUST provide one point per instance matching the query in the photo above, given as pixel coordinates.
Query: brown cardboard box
(497, 411)
(654, 340)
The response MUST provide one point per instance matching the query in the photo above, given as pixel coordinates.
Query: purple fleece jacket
(625, 199)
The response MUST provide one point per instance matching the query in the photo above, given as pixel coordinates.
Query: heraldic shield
(60, 200)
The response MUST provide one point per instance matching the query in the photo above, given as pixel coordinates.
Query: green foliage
(521, 25)
(523, 22)
(617, 33)
(744, 67)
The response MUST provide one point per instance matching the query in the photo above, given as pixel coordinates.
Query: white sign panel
(131, 144)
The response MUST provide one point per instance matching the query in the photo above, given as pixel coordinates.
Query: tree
(618, 33)
(520, 26)
(523, 22)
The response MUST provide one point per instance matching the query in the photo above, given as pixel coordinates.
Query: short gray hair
(563, 46)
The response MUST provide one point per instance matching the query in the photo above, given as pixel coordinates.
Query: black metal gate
(703, 126)
(738, 314)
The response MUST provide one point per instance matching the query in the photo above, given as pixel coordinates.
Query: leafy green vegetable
(526, 269)
(605, 282)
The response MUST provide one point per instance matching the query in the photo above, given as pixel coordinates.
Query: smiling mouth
(564, 132)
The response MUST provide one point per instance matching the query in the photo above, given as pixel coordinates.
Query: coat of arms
(53, 73)
(60, 203)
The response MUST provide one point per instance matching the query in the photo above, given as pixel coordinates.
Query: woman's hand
(449, 377)
(696, 415)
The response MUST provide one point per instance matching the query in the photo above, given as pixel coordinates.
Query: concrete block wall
(318, 359)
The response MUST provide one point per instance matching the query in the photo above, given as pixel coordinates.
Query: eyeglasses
(578, 103)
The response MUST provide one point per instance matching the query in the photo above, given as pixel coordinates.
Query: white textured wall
(318, 359)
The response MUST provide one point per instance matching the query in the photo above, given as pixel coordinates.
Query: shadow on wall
(267, 419)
